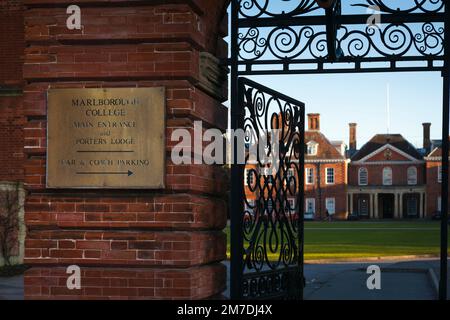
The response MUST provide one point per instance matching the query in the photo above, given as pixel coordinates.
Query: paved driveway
(348, 282)
(400, 280)
(11, 288)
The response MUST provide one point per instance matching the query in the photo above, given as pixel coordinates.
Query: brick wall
(175, 233)
(338, 190)
(126, 283)
(433, 187)
(12, 122)
(12, 45)
(11, 42)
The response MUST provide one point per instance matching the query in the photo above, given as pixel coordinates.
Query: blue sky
(362, 98)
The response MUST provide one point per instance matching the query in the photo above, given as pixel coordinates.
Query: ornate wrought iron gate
(267, 219)
(271, 37)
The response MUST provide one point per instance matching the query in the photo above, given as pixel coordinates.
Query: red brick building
(434, 180)
(152, 244)
(146, 244)
(12, 120)
(387, 179)
(325, 174)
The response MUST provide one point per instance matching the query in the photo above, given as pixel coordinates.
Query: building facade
(387, 179)
(434, 180)
(325, 174)
(12, 121)
(325, 177)
(164, 243)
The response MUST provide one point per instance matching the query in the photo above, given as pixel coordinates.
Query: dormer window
(312, 148)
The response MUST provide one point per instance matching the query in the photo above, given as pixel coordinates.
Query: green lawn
(344, 240)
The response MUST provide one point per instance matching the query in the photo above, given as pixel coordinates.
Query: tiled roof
(326, 150)
(380, 140)
(436, 153)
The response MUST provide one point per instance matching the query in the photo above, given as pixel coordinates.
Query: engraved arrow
(128, 173)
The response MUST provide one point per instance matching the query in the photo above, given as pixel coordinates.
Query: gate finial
(333, 10)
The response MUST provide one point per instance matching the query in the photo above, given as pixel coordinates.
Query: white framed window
(249, 177)
(439, 174)
(330, 205)
(312, 148)
(310, 205)
(439, 204)
(292, 204)
(290, 173)
(329, 175)
(250, 205)
(269, 205)
(267, 172)
(387, 176)
(412, 176)
(290, 176)
(309, 176)
(363, 177)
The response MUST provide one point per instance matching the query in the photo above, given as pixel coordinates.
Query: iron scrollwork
(336, 35)
(401, 7)
(271, 8)
(393, 41)
(332, 13)
(271, 218)
(283, 43)
(251, 9)
(271, 285)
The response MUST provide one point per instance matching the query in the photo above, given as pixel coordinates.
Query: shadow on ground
(400, 280)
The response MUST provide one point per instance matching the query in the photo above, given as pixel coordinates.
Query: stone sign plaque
(106, 138)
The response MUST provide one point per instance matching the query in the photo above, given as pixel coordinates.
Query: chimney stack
(426, 136)
(352, 141)
(314, 122)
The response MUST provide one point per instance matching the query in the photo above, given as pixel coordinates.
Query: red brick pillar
(163, 244)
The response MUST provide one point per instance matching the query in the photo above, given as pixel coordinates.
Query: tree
(10, 222)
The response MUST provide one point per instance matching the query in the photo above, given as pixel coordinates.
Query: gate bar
(301, 209)
(344, 20)
(445, 163)
(237, 185)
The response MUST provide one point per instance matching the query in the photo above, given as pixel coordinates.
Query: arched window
(387, 176)
(412, 176)
(363, 177)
